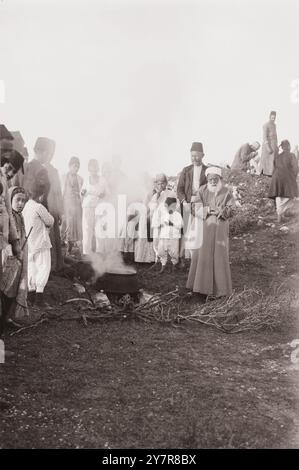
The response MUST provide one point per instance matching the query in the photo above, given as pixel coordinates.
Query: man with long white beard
(209, 272)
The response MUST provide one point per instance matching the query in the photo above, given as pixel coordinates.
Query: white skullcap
(215, 170)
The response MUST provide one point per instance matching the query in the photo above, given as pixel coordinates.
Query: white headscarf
(215, 170)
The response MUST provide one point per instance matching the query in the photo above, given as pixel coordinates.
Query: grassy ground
(130, 384)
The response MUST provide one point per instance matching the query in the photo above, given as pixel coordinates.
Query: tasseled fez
(197, 146)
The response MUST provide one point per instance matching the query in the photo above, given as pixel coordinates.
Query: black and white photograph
(149, 227)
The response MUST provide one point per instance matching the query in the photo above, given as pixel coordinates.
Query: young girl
(40, 220)
(18, 309)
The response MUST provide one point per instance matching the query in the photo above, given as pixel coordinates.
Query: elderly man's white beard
(214, 189)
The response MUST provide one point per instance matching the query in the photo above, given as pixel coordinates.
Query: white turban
(215, 170)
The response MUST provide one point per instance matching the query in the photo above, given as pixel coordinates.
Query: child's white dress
(39, 244)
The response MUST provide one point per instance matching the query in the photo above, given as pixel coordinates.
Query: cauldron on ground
(117, 286)
(118, 283)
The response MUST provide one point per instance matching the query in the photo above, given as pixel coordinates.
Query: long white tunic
(36, 216)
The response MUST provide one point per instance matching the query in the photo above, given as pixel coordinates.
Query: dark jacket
(283, 182)
(184, 187)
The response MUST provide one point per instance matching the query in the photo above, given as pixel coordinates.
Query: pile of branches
(252, 199)
(250, 309)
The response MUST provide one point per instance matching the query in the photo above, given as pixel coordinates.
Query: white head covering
(215, 170)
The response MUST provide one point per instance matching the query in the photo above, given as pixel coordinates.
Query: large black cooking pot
(118, 283)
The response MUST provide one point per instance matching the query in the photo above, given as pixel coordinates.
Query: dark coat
(184, 187)
(283, 181)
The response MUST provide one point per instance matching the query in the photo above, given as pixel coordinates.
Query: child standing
(18, 305)
(39, 244)
(167, 223)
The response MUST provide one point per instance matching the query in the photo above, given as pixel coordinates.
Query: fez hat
(273, 113)
(197, 146)
(16, 159)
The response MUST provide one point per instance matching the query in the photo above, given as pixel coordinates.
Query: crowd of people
(45, 217)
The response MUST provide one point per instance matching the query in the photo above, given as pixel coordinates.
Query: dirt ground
(129, 384)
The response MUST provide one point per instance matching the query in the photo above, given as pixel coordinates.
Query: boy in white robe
(39, 221)
(167, 223)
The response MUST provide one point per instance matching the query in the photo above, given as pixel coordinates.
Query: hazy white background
(143, 79)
